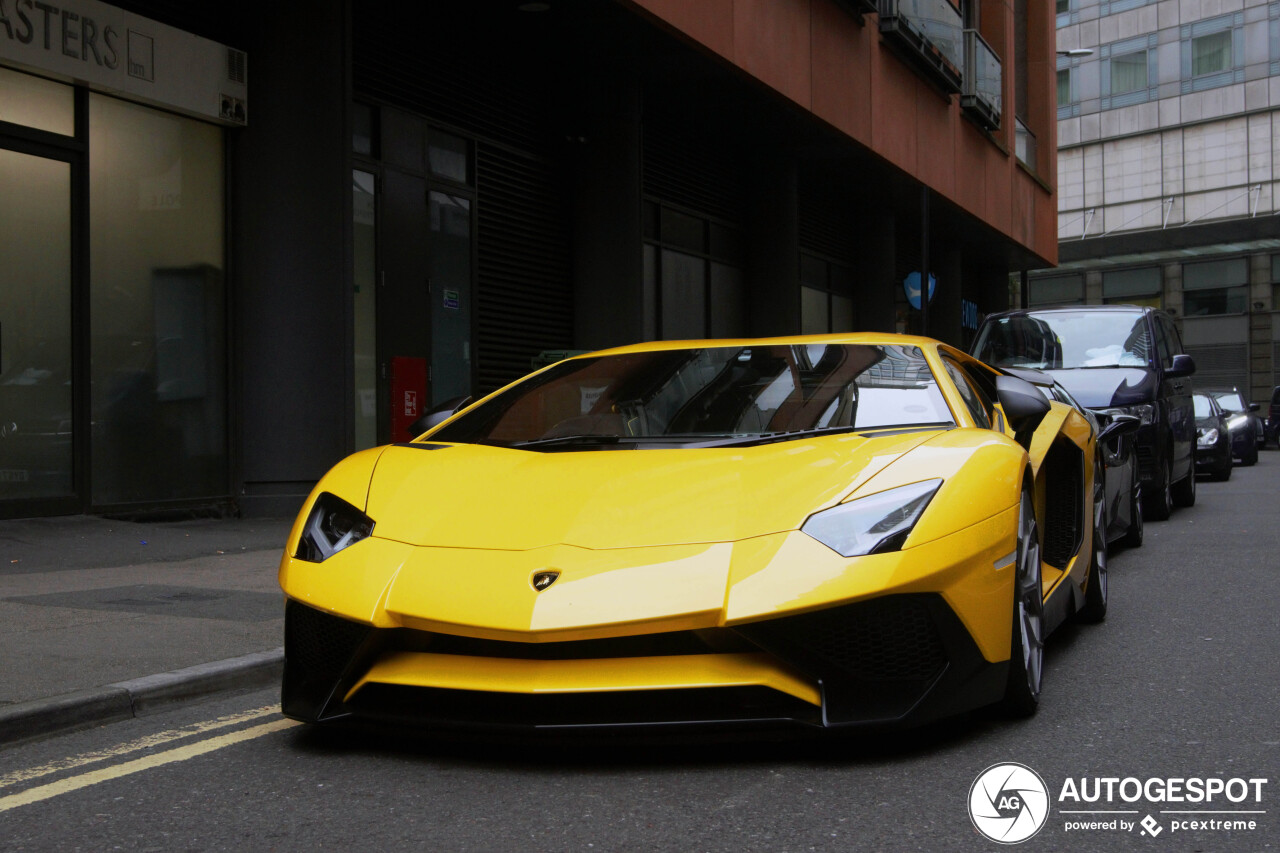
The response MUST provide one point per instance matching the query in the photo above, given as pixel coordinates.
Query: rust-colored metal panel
(894, 90)
(707, 21)
(841, 53)
(771, 42)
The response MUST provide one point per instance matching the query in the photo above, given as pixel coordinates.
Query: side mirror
(1118, 426)
(1253, 407)
(1183, 365)
(438, 415)
(1023, 403)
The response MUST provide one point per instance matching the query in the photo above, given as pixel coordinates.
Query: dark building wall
(290, 233)
(607, 268)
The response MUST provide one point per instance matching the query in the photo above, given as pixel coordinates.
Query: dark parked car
(1247, 432)
(1114, 359)
(1213, 438)
(1122, 482)
(1273, 417)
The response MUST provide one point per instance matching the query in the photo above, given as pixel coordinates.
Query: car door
(1176, 394)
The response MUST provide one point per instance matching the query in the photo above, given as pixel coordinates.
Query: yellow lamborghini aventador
(845, 530)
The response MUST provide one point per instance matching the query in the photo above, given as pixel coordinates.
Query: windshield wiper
(789, 435)
(589, 439)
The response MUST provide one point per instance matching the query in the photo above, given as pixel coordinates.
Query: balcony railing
(983, 81)
(930, 32)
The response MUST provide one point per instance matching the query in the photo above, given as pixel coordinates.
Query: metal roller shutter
(524, 286)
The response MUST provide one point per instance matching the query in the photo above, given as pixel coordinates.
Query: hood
(1104, 387)
(475, 496)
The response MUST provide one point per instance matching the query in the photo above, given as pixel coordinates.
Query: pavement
(102, 620)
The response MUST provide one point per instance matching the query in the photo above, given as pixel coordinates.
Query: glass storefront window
(35, 327)
(157, 305)
(37, 102)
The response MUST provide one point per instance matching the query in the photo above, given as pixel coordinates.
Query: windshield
(1231, 402)
(1060, 339)
(695, 395)
(1202, 407)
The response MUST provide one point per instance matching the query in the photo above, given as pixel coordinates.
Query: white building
(1169, 173)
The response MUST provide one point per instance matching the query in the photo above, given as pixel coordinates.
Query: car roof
(871, 338)
(1062, 309)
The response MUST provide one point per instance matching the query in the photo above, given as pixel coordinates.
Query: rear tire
(1250, 458)
(1026, 651)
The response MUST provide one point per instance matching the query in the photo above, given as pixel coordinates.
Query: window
(1215, 287)
(826, 296)
(1056, 290)
(1212, 53)
(1062, 6)
(1068, 96)
(1133, 287)
(36, 102)
(157, 304)
(972, 399)
(693, 275)
(1129, 72)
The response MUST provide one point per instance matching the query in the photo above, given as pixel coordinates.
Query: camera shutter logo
(1008, 803)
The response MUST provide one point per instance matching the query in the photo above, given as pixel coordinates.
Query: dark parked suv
(1114, 359)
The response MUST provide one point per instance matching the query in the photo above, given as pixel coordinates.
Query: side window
(972, 400)
(1175, 340)
(1162, 341)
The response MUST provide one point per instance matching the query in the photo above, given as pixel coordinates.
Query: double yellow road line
(137, 765)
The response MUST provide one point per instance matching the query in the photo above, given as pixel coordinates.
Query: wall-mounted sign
(912, 287)
(118, 52)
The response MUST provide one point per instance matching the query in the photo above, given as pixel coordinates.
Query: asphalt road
(1181, 682)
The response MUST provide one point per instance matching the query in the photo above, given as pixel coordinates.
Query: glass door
(36, 393)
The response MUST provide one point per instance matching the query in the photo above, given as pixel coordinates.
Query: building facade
(1169, 160)
(245, 240)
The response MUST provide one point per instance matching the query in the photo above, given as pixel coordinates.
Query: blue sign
(912, 286)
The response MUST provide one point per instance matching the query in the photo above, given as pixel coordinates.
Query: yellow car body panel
(474, 496)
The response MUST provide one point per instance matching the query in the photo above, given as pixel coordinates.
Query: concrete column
(290, 253)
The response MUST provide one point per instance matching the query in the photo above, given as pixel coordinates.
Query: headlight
(1236, 422)
(1207, 437)
(1144, 412)
(332, 526)
(874, 524)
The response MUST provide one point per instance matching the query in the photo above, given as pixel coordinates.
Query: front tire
(1026, 652)
(1251, 457)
